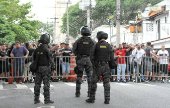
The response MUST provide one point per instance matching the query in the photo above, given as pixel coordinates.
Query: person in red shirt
(121, 62)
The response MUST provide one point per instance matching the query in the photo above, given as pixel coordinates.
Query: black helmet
(45, 39)
(85, 31)
(102, 35)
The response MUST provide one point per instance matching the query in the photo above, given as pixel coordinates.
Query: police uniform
(100, 56)
(81, 49)
(43, 72)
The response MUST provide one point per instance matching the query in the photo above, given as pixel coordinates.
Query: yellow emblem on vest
(102, 46)
(85, 42)
(40, 53)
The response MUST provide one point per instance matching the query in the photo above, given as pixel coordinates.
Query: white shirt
(163, 56)
(138, 54)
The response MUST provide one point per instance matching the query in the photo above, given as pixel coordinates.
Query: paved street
(123, 95)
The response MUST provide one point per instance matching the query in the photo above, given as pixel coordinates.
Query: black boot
(48, 101)
(36, 101)
(88, 94)
(90, 100)
(106, 101)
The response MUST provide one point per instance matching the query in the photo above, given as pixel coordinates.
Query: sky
(44, 9)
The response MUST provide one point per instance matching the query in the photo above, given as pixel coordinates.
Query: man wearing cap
(143, 46)
(62, 46)
(66, 53)
(82, 48)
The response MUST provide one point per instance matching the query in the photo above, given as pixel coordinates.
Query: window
(149, 27)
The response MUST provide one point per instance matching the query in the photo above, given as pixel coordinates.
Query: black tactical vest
(42, 54)
(102, 51)
(85, 45)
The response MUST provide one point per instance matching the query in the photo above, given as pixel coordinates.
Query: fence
(128, 67)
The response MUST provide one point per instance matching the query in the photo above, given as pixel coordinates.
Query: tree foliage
(14, 22)
(45, 28)
(104, 11)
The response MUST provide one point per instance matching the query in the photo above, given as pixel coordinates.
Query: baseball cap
(53, 44)
(62, 43)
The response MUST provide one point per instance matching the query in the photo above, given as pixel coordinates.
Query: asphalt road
(123, 95)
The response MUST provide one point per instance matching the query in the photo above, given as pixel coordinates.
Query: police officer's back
(82, 48)
(101, 54)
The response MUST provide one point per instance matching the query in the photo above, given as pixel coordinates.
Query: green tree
(14, 22)
(104, 10)
(12, 11)
(6, 35)
(45, 28)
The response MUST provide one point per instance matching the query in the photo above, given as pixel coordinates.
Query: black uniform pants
(84, 63)
(101, 69)
(44, 76)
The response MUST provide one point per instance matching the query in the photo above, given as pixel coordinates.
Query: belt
(85, 55)
(101, 62)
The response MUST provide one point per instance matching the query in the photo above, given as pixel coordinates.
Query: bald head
(163, 47)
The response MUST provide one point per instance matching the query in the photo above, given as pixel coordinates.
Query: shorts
(148, 66)
(164, 68)
(65, 67)
(155, 68)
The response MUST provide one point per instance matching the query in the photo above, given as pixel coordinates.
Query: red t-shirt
(121, 53)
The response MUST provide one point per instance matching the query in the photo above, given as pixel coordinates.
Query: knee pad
(46, 87)
(107, 85)
(80, 74)
(94, 85)
(78, 80)
(37, 87)
(106, 75)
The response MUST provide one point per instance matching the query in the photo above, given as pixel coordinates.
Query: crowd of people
(150, 63)
(20, 54)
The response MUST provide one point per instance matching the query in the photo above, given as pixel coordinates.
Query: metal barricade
(143, 69)
(147, 68)
(12, 68)
(64, 67)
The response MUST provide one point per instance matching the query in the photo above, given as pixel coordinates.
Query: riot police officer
(101, 54)
(43, 56)
(81, 49)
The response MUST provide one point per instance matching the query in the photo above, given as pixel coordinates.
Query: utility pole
(88, 15)
(67, 37)
(136, 30)
(117, 22)
(67, 24)
(55, 23)
(110, 30)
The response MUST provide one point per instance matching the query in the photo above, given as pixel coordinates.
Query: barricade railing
(142, 68)
(128, 68)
